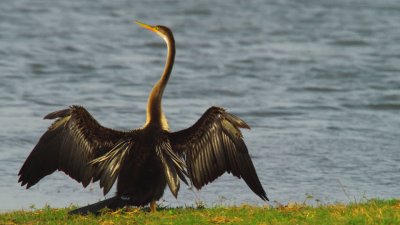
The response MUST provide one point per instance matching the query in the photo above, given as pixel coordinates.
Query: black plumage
(144, 160)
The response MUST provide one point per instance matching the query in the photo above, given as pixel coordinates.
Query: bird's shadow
(134, 209)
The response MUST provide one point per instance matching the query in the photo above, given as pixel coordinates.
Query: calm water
(318, 82)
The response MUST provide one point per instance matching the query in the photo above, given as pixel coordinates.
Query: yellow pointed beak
(148, 27)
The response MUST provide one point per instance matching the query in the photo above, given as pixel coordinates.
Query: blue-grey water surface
(318, 82)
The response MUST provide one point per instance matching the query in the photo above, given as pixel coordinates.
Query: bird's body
(144, 160)
(143, 180)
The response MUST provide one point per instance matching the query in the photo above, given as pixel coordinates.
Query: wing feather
(174, 167)
(214, 145)
(109, 165)
(69, 144)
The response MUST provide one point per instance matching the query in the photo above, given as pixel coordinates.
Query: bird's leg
(153, 206)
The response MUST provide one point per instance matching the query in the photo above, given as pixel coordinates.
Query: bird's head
(162, 31)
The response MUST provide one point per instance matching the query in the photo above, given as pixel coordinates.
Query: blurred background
(318, 82)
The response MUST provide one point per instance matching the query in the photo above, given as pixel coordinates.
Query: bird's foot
(153, 206)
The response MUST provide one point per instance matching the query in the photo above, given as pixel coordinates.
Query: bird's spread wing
(70, 143)
(214, 145)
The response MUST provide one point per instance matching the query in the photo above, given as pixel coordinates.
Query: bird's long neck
(155, 115)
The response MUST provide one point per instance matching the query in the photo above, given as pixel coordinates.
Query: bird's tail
(113, 203)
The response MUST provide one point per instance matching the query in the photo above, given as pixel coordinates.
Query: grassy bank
(370, 212)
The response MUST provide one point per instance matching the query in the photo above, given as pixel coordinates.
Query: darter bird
(147, 159)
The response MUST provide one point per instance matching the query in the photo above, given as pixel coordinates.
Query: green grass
(370, 212)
